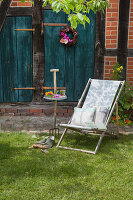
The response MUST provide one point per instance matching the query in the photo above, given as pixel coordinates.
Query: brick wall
(130, 70)
(109, 61)
(17, 3)
(112, 16)
(61, 112)
(111, 39)
(130, 34)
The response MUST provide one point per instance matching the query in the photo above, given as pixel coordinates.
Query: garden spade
(54, 130)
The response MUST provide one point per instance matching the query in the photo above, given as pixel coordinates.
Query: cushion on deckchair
(90, 118)
(82, 116)
(101, 114)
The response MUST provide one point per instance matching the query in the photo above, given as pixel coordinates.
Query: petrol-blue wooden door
(16, 60)
(76, 64)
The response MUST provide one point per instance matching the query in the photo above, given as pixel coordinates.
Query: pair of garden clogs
(46, 143)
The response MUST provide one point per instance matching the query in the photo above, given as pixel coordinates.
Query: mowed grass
(29, 174)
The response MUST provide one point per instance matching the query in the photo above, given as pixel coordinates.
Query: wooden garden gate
(76, 64)
(15, 60)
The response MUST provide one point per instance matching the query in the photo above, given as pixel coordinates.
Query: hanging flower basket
(68, 36)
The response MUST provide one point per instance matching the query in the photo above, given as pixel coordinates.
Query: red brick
(130, 59)
(107, 75)
(115, 15)
(108, 67)
(112, 63)
(130, 42)
(131, 32)
(108, 23)
(131, 19)
(23, 110)
(60, 114)
(108, 14)
(111, 37)
(10, 110)
(108, 41)
(114, 23)
(130, 66)
(70, 110)
(26, 4)
(66, 114)
(112, 10)
(113, 32)
(111, 28)
(130, 79)
(107, 32)
(61, 110)
(131, 14)
(35, 110)
(112, 19)
(113, 1)
(115, 5)
(111, 58)
(130, 62)
(14, 4)
(38, 114)
(130, 46)
(130, 71)
(106, 63)
(109, 46)
(131, 37)
(8, 114)
(48, 111)
(130, 75)
(113, 41)
(131, 24)
(106, 71)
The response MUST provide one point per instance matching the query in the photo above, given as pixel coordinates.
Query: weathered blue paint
(76, 64)
(15, 60)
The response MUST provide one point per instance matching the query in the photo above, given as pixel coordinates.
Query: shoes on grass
(46, 143)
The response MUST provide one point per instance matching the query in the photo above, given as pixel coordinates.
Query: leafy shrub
(126, 98)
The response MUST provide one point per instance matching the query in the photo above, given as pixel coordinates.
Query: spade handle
(54, 74)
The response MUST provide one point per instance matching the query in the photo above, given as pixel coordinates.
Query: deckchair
(94, 110)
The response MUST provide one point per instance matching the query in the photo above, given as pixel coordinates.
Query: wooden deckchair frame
(102, 133)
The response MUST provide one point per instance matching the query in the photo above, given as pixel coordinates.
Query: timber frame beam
(3, 12)
(20, 11)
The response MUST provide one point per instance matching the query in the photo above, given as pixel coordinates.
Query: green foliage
(77, 10)
(126, 98)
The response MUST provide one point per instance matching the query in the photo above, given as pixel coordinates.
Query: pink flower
(62, 33)
(67, 38)
(56, 96)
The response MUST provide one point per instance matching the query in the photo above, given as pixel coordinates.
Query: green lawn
(29, 174)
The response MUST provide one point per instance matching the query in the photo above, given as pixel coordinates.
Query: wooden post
(99, 45)
(3, 11)
(38, 51)
(117, 120)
